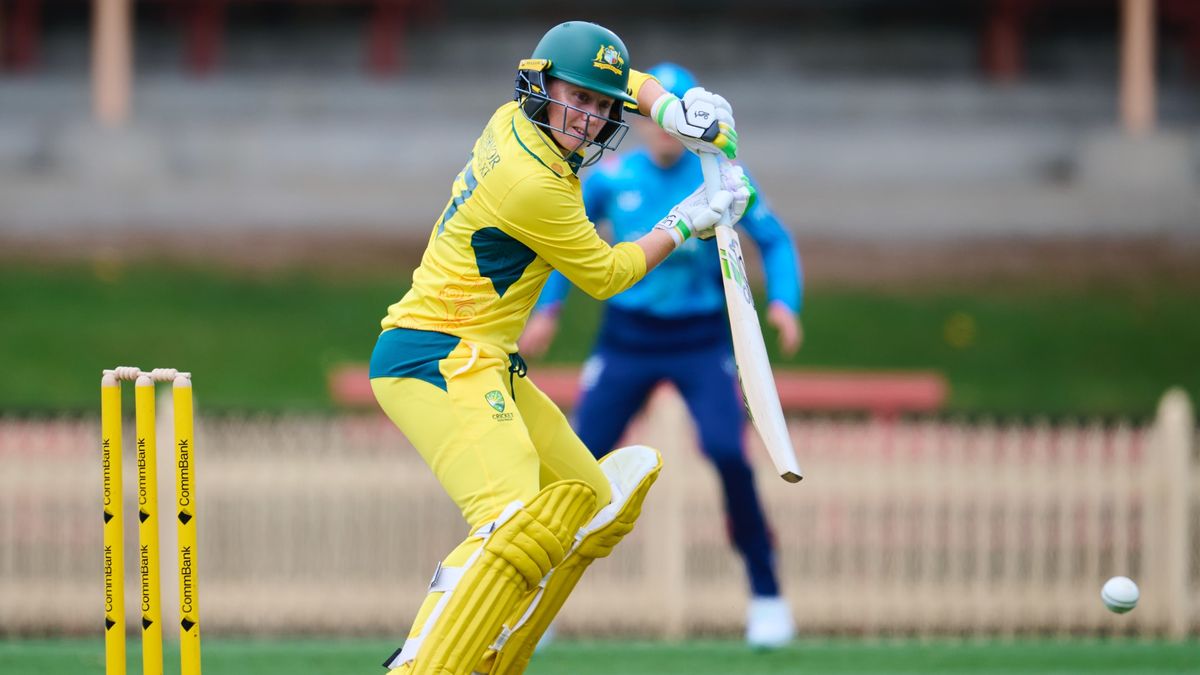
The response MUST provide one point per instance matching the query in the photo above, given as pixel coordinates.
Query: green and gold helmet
(586, 55)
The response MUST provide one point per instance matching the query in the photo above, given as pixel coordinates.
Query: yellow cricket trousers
(490, 436)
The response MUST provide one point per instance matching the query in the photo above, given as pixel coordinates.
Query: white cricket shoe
(769, 622)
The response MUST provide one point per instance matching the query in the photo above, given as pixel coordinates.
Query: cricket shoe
(769, 623)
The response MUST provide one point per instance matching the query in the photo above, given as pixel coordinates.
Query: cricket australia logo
(608, 58)
(495, 399)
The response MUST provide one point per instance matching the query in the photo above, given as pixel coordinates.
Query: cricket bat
(749, 351)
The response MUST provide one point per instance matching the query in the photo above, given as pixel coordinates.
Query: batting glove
(735, 181)
(702, 121)
(695, 216)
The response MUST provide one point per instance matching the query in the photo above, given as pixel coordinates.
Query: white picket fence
(333, 525)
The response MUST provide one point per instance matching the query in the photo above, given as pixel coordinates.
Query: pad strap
(444, 581)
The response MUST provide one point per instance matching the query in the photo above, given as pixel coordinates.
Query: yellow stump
(152, 659)
(185, 494)
(114, 531)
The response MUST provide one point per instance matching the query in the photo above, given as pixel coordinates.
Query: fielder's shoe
(769, 623)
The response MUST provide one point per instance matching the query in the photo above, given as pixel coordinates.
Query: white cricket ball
(1119, 594)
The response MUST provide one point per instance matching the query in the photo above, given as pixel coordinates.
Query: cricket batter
(446, 370)
(652, 333)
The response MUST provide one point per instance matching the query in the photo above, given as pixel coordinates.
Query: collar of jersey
(535, 141)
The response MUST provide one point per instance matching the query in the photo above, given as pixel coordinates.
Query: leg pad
(511, 555)
(631, 471)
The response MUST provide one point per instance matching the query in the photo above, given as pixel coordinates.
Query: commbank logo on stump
(495, 399)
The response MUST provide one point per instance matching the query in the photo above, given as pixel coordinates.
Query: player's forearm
(657, 245)
(647, 94)
(785, 280)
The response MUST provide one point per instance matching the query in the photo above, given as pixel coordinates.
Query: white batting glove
(695, 216)
(737, 184)
(702, 121)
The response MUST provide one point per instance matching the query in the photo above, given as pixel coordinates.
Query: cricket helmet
(586, 55)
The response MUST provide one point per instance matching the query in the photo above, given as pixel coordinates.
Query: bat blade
(749, 351)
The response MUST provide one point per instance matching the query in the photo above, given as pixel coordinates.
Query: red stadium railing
(882, 394)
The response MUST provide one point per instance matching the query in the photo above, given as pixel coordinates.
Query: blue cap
(673, 77)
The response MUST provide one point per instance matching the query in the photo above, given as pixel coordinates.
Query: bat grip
(710, 165)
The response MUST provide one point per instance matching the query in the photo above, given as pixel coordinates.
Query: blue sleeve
(553, 293)
(785, 277)
(596, 191)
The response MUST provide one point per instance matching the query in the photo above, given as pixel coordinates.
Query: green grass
(325, 657)
(253, 341)
(265, 340)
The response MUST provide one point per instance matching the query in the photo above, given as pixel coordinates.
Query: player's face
(586, 116)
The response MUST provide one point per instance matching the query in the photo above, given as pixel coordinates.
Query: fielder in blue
(653, 332)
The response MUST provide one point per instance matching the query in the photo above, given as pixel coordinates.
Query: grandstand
(867, 119)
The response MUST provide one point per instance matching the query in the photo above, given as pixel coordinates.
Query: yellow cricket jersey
(515, 212)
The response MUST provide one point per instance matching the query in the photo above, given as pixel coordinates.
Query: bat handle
(710, 165)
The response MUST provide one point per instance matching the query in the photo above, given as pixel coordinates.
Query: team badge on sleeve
(608, 58)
